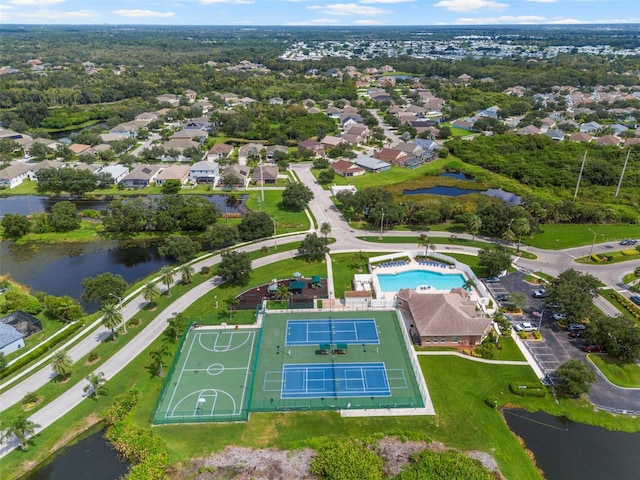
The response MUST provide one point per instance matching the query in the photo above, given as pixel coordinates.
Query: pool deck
(413, 264)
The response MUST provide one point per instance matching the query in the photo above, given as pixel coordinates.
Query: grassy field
(621, 373)
(557, 237)
(614, 298)
(345, 266)
(617, 256)
(508, 350)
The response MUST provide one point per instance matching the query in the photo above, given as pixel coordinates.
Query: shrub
(134, 322)
(451, 464)
(528, 389)
(29, 399)
(522, 334)
(93, 356)
(345, 461)
(628, 252)
(491, 402)
(537, 335)
(205, 270)
(121, 407)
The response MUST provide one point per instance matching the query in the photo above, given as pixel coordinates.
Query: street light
(594, 241)
(381, 224)
(275, 235)
(120, 300)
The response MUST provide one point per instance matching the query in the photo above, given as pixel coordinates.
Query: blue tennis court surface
(316, 380)
(313, 332)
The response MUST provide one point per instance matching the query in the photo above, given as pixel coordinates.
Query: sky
(318, 12)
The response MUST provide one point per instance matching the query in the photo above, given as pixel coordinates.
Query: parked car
(502, 297)
(539, 293)
(492, 280)
(524, 327)
(635, 299)
(559, 316)
(576, 333)
(552, 305)
(628, 241)
(576, 327)
(593, 348)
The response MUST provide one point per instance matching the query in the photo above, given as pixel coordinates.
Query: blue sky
(319, 12)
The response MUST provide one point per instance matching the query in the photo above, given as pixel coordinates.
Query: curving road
(551, 262)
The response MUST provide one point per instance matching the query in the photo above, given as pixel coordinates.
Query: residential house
(26, 146)
(240, 172)
(191, 96)
(409, 148)
(463, 124)
(141, 176)
(529, 130)
(249, 151)
(315, 147)
(219, 152)
(610, 140)
(79, 148)
(14, 175)
(117, 172)
(427, 145)
(128, 129)
(173, 172)
(331, 141)
(547, 124)
(333, 112)
(557, 135)
(194, 134)
(346, 169)
(272, 149)
(170, 98)
(580, 137)
(372, 165)
(349, 119)
(147, 117)
(359, 130)
(354, 140)
(417, 110)
(11, 339)
(174, 150)
(464, 79)
(204, 172)
(390, 155)
(276, 101)
(265, 174)
(590, 127)
(23, 322)
(444, 319)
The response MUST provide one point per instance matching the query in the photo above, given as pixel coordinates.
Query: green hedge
(528, 389)
(446, 465)
(38, 351)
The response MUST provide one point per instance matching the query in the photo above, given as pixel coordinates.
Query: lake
(565, 450)
(91, 458)
(503, 195)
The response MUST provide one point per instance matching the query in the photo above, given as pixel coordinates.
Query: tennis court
(348, 331)
(209, 378)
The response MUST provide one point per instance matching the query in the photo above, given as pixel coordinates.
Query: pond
(565, 450)
(58, 269)
(503, 195)
(29, 204)
(92, 457)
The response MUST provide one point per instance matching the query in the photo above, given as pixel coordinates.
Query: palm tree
(177, 324)
(111, 317)
(474, 224)
(231, 302)
(325, 229)
(158, 358)
(520, 227)
(96, 383)
(151, 293)
(186, 271)
(22, 428)
(166, 277)
(61, 363)
(425, 241)
(469, 284)
(360, 259)
(508, 236)
(283, 292)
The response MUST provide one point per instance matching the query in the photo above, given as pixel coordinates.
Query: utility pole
(594, 241)
(624, 167)
(584, 159)
(382, 224)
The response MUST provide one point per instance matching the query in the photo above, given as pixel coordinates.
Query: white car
(524, 327)
(559, 316)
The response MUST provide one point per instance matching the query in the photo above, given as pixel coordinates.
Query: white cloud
(386, 1)
(469, 5)
(348, 9)
(56, 15)
(34, 3)
(316, 21)
(523, 19)
(542, 1)
(368, 21)
(143, 13)
(232, 2)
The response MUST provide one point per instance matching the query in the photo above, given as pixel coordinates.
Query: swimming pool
(415, 278)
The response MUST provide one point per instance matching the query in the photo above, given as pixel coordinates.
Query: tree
(157, 357)
(177, 324)
(314, 247)
(61, 363)
(71, 180)
(64, 217)
(235, 268)
(474, 224)
(325, 229)
(104, 287)
(186, 272)
(219, 235)
(326, 177)
(231, 301)
(166, 277)
(619, 336)
(425, 241)
(518, 299)
(179, 248)
(111, 317)
(171, 187)
(63, 308)
(3, 361)
(574, 292)
(151, 293)
(296, 196)
(283, 293)
(520, 227)
(39, 151)
(495, 260)
(575, 377)
(360, 259)
(255, 225)
(20, 427)
(96, 383)
(15, 225)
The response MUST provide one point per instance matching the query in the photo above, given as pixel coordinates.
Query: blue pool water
(413, 278)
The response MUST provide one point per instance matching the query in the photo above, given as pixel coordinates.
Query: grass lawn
(620, 373)
(617, 256)
(345, 266)
(472, 261)
(557, 237)
(614, 298)
(286, 222)
(508, 350)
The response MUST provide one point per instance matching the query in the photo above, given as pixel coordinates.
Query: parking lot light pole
(593, 242)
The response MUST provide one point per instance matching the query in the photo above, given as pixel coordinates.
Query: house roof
(78, 148)
(371, 163)
(174, 172)
(114, 170)
(265, 172)
(451, 313)
(580, 137)
(609, 140)
(180, 145)
(144, 172)
(332, 140)
(13, 171)
(8, 335)
(222, 148)
(389, 154)
(204, 166)
(345, 166)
